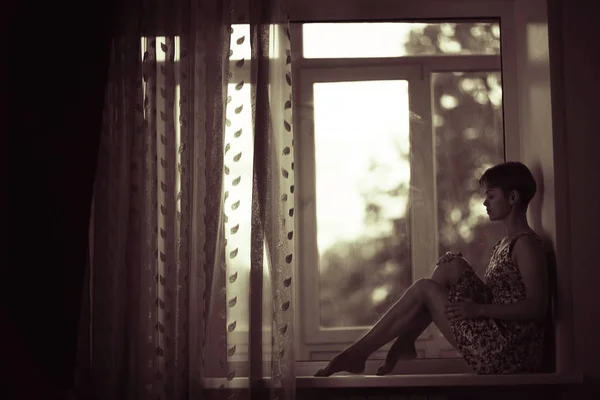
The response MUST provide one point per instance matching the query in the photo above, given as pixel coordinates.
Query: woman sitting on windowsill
(497, 324)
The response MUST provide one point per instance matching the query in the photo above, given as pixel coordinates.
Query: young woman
(497, 324)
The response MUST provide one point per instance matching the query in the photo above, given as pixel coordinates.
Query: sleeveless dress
(492, 346)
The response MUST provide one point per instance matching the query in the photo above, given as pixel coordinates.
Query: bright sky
(360, 40)
(354, 123)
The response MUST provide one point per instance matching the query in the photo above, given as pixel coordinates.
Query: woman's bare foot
(400, 350)
(345, 361)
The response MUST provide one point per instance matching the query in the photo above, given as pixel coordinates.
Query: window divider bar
(434, 62)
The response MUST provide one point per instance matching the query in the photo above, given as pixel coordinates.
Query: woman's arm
(529, 257)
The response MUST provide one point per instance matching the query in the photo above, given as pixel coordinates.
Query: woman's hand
(449, 256)
(464, 310)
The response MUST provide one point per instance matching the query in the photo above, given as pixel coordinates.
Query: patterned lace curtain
(191, 276)
(273, 187)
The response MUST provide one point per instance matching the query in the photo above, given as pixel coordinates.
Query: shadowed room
(288, 199)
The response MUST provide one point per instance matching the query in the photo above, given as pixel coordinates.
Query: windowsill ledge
(437, 380)
(409, 381)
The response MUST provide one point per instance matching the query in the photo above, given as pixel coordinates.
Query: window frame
(313, 341)
(382, 11)
(416, 69)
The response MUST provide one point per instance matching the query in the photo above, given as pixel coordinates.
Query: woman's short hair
(511, 176)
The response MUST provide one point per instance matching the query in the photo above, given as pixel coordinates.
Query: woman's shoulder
(528, 241)
(529, 236)
(508, 242)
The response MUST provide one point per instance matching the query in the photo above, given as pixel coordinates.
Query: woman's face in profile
(496, 204)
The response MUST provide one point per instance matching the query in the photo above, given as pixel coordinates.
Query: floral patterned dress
(492, 346)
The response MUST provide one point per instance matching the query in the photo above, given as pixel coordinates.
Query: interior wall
(574, 63)
(537, 151)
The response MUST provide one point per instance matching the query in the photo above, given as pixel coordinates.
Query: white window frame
(307, 11)
(314, 342)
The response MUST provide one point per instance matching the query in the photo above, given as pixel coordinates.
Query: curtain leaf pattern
(236, 179)
(157, 232)
(273, 185)
(189, 202)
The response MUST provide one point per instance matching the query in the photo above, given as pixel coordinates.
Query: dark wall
(574, 48)
(57, 59)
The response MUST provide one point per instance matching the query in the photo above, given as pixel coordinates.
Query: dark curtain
(57, 56)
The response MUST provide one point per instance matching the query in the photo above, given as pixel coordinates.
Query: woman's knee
(448, 272)
(460, 264)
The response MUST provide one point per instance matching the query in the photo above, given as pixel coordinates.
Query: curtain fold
(156, 239)
(174, 310)
(273, 180)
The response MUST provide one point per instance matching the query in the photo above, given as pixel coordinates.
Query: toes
(322, 372)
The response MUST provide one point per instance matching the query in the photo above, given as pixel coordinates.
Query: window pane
(469, 137)
(397, 39)
(362, 184)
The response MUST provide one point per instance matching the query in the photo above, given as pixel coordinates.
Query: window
(446, 91)
(385, 169)
(395, 122)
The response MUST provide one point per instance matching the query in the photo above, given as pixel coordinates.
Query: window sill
(408, 381)
(438, 380)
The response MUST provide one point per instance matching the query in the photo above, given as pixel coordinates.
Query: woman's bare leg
(399, 320)
(403, 318)
(403, 347)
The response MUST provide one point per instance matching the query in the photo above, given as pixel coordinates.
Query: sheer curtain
(165, 292)
(273, 180)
